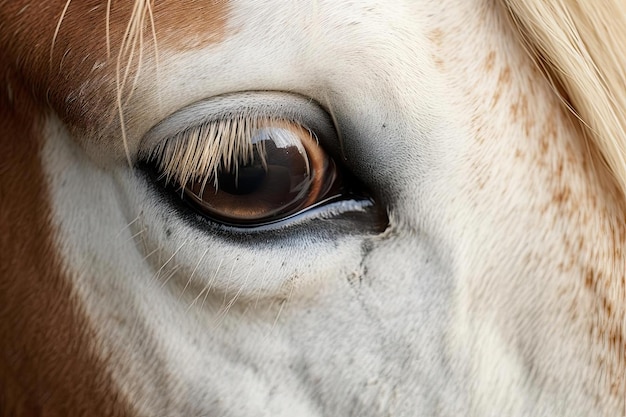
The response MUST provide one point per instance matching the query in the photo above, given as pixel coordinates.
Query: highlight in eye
(248, 171)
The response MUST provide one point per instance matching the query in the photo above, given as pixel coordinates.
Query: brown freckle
(518, 153)
(528, 124)
(615, 387)
(439, 62)
(490, 61)
(559, 170)
(607, 306)
(519, 109)
(496, 98)
(544, 144)
(505, 77)
(617, 252)
(550, 128)
(589, 279)
(616, 339)
(436, 36)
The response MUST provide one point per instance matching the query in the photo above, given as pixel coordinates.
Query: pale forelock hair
(580, 46)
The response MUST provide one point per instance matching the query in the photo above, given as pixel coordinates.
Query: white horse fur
(497, 288)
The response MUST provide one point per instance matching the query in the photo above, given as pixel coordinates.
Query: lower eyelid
(321, 211)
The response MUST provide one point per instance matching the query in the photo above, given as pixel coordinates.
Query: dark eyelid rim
(272, 104)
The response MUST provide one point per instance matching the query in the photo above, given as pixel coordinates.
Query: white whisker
(170, 275)
(262, 285)
(280, 310)
(132, 237)
(58, 28)
(127, 226)
(156, 277)
(193, 273)
(230, 276)
(107, 29)
(223, 313)
(282, 305)
(156, 50)
(151, 253)
(207, 286)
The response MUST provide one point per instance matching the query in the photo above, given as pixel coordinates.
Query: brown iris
(286, 173)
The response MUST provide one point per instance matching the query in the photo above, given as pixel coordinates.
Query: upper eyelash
(201, 152)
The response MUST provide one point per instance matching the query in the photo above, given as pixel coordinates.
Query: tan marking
(496, 98)
(436, 37)
(594, 254)
(46, 364)
(489, 61)
(519, 109)
(585, 204)
(439, 63)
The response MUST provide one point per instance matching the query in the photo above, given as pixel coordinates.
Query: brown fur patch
(79, 78)
(46, 364)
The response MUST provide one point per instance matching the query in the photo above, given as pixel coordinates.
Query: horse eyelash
(201, 152)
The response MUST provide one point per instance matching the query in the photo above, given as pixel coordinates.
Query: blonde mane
(580, 46)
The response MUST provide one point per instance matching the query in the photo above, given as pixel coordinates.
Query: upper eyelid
(264, 104)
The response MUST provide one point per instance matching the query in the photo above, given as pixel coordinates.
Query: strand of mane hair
(579, 45)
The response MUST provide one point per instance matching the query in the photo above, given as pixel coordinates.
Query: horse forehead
(96, 25)
(79, 50)
(89, 59)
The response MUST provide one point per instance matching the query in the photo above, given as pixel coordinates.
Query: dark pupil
(245, 181)
(283, 175)
(273, 183)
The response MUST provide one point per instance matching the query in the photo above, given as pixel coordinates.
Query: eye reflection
(287, 172)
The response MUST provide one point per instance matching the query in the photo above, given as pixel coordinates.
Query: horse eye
(284, 173)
